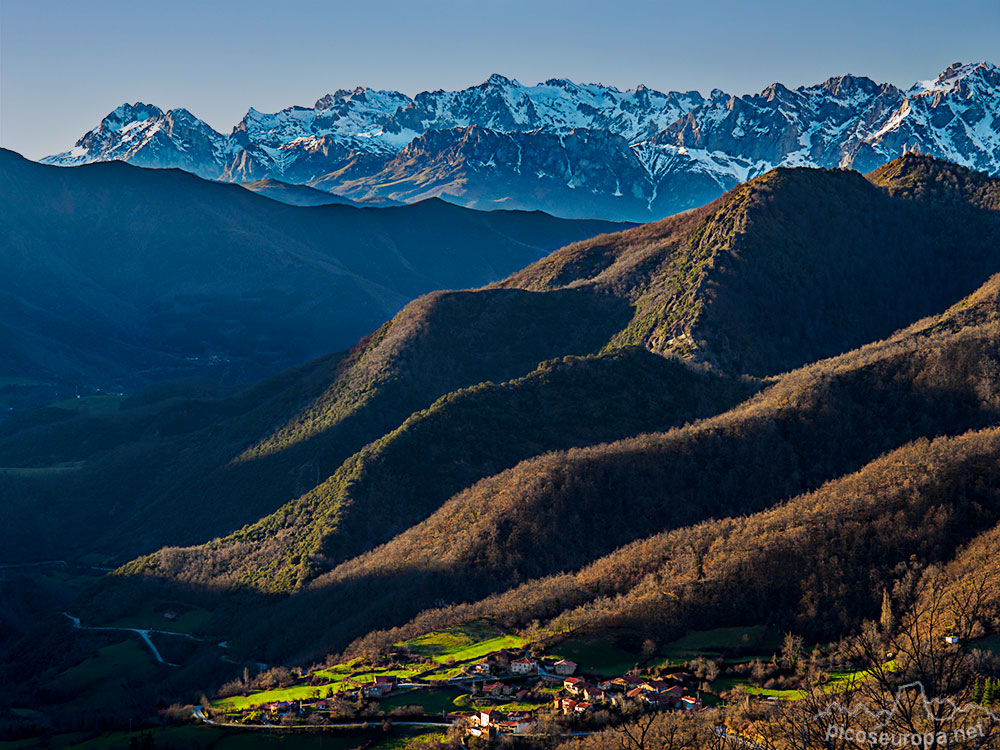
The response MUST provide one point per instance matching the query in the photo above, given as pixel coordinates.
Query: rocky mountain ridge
(566, 148)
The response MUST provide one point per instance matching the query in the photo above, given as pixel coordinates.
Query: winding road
(199, 714)
(52, 564)
(143, 633)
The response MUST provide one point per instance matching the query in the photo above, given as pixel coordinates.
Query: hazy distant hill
(296, 195)
(112, 275)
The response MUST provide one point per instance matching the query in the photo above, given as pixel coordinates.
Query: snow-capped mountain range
(570, 149)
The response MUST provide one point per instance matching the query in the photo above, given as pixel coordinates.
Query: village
(576, 693)
(509, 691)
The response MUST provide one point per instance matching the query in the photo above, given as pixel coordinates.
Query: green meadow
(599, 656)
(200, 737)
(98, 680)
(463, 643)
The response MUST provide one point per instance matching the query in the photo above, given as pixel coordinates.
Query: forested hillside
(635, 437)
(803, 260)
(528, 476)
(485, 439)
(562, 510)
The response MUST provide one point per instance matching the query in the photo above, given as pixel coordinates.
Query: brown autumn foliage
(788, 268)
(798, 264)
(814, 426)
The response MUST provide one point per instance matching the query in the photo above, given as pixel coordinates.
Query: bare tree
(912, 688)
(920, 673)
(633, 736)
(661, 731)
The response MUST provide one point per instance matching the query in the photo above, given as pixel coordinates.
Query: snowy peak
(961, 79)
(372, 121)
(357, 117)
(849, 89)
(497, 80)
(558, 104)
(846, 121)
(129, 113)
(955, 117)
(650, 151)
(145, 135)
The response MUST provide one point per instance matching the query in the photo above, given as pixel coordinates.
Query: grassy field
(339, 671)
(431, 701)
(72, 579)
(595, 655)
(444, 673)
(255, 740)
(100, 680)
(111, 662)
(340, 678)
(518, 706)
(839, 681)
(189, 619)
(293, 693)
(41, 471)
(448, 648)
(17, 391)
(755, 639)
(785, 695)
(103, 404)
(412, 739)
(846, 678)
(213, 738)
(8, 381)
(463, 643)
(724, 684)
(369, 676)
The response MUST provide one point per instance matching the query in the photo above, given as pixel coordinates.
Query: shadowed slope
(401, 478)
(113, 274)
(562, 510)
(773, 268)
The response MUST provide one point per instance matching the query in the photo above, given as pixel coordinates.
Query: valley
(534, 375)
(695, 473)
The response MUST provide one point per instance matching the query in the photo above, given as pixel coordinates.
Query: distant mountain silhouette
(112, 276)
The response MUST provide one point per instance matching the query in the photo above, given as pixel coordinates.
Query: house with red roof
(691, 703)
(627, 682)
(570, 706)
(521, 725)
(564, 667)
(496, 689)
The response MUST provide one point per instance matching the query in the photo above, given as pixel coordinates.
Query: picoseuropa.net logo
(940, 721)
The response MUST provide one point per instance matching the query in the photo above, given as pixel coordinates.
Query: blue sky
(64, 65)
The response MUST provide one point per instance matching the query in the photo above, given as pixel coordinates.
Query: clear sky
(65, 64)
